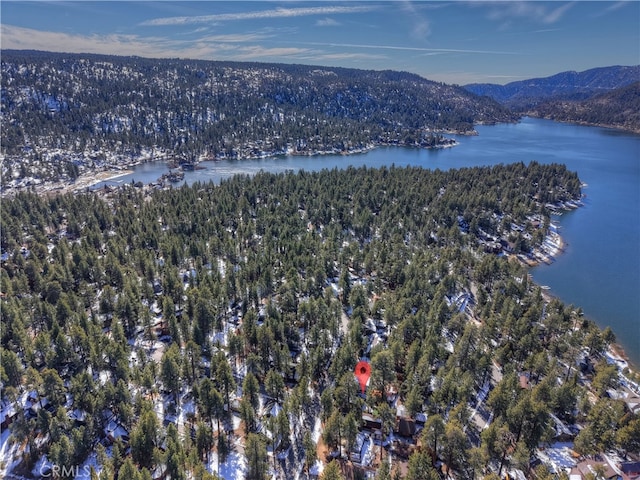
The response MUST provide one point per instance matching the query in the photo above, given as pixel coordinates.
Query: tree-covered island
(213, 330)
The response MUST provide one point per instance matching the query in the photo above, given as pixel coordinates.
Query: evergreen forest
(151, 333)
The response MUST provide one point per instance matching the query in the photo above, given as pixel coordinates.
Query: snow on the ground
(9, 457)
(235, 467)
(367, 452)
(557, 456)
(158, 407)
(317, 430)
(241, 372)
(104, 376)
(188, 407)
(42, 466)
(84, 472)
(236, 421)
(157, 350)
(317, 468)
(219, 338)
(613, 359)
(275, 410)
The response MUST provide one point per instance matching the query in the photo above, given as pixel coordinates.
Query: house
(631, 469)
(369, 422)
(405, 427)
(589, 467)
(8, 413)
(632, 403)
(523, 381)
(77, 416)
(115, 430)
(508, 246)
(492, 247)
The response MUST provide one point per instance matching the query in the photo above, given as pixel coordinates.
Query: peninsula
(213, 331)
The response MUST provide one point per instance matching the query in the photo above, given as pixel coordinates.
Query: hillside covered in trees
(619, 108)
(67, 113)
(605, 96)
(214, 330)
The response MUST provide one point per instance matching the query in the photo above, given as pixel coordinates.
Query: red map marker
(363, 372)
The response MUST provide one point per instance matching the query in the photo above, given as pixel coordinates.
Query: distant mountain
(619, 108)
(524, 94)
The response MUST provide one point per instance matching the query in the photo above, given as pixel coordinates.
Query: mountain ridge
(568, 85)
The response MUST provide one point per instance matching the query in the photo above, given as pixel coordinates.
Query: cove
(600, 269)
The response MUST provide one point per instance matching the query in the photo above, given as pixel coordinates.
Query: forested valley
(178, 332)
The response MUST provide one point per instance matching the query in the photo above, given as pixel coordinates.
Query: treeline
(89, 284)
(120, 105)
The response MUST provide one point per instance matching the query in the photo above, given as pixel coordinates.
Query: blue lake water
(600, 269)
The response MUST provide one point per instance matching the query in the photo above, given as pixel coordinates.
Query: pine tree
(256, 453)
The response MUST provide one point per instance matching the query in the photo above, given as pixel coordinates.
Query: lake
(600, 269)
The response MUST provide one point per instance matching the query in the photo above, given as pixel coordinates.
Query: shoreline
(90, 178)
(618, 351)
(87, 180)
(447, 143)
(84, 181)
(544, 254)
(584, 123)
(615, 350)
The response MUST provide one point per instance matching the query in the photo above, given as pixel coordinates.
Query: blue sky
(453, 42)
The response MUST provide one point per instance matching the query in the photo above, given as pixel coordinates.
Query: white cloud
(327, 22)
(463, 78)
(259, 14)
(14, 37)
(420, 28)
(612, 8)
(555, 15)
(257, 52)
(234, 38)
(537, 11)
(410, 49)
(546, 30)
(346, 56)
(206, 48)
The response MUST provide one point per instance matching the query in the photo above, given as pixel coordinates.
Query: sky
(449, 41)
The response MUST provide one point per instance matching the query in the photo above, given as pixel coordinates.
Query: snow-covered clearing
(235, 467)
